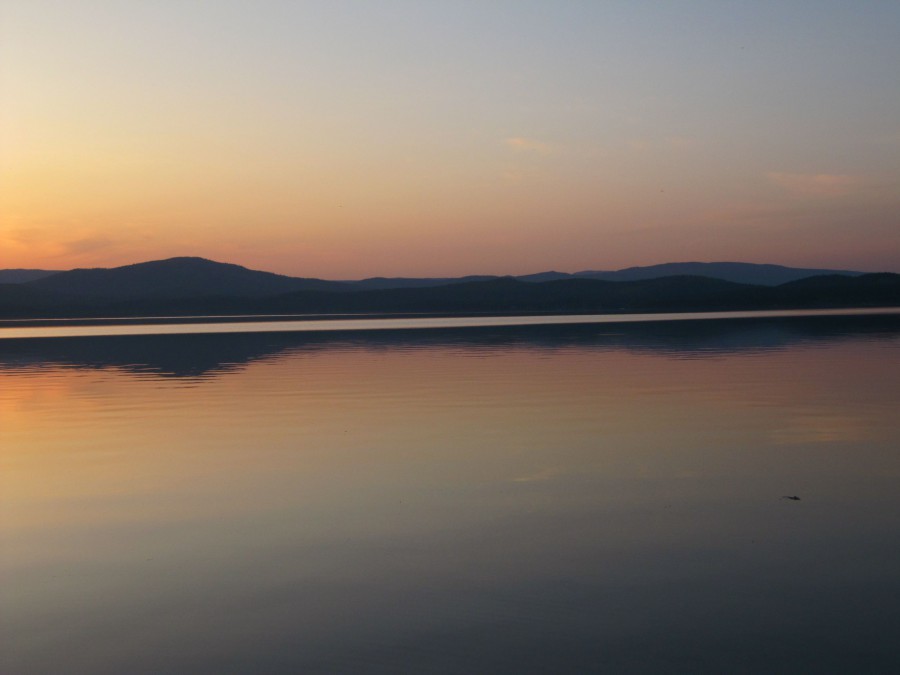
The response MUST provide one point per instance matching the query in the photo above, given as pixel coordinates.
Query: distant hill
(541, 277)
(741, 273)
(23, 276)
(187, 277)
(177, 278)
(379, 283)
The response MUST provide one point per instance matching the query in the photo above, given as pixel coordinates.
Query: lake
(569, 498)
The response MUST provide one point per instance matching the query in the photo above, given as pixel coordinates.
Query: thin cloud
(24, 236)
(86, 245)
(815, 184)
(520, 143)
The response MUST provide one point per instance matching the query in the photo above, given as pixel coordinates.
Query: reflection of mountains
(207, 355)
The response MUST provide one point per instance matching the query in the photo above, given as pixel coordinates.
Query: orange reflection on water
(439, 414)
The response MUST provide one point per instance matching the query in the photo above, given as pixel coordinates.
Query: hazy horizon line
(548, 270)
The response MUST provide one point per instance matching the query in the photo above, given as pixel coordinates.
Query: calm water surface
(501, 499)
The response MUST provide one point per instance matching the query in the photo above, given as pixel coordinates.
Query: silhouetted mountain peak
(184, 263)
(178, 278)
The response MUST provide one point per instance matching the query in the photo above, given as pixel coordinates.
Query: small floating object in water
(792, 498)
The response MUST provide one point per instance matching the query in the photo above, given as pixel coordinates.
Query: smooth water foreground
(572, 498)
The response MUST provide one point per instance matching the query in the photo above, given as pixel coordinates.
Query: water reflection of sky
(515, 500)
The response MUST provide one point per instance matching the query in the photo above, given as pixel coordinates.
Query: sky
(342, 140)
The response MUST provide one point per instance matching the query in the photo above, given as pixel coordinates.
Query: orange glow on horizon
(270, 144)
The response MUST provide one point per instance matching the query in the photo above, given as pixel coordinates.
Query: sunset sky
(350, 139)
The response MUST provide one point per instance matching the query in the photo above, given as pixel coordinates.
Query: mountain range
(180, 286)
(200, 276)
